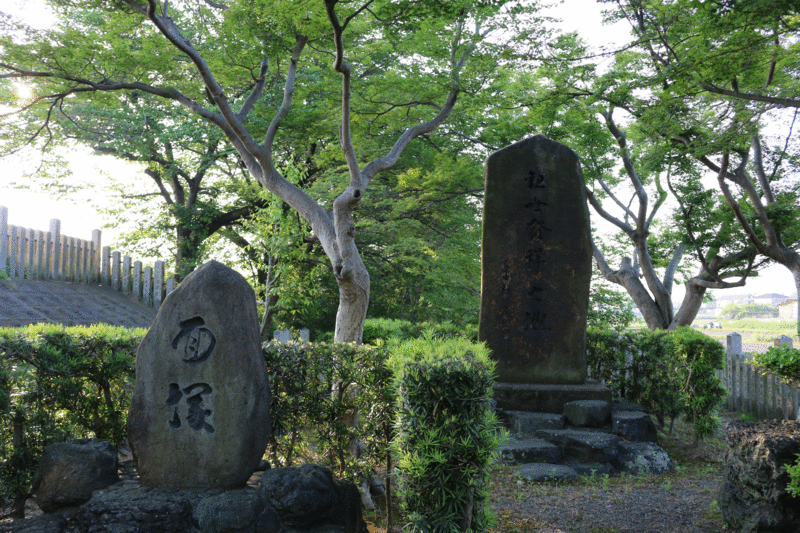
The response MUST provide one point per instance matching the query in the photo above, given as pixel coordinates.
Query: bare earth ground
(682, 501)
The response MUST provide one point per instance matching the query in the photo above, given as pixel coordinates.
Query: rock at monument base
(69, 472)
(634, 426)
(305, 497)
(536, 268)
(753, 496)
(642, 458)
(547, 472)
(587, 413)
(199, 416)
(232, 511)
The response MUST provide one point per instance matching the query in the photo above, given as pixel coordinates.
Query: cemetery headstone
(199, 416)
(305, 335)
(536, 263)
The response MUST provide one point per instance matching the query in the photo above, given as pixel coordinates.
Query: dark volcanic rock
(69, 472)
(753, 496)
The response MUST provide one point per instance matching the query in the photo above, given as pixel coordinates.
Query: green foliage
(668, 373)
(753, 310)
(793, 487)
(389, 329)
(446, 433)
(608, 308)
(332, 395)
(783, 361)
(58, 384)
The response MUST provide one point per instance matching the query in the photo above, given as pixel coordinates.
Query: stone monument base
(546, 398)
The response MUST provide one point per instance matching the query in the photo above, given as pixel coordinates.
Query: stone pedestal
(546, 398)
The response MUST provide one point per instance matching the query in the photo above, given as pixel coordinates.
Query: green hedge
(317, 390)
(783, 361)
(668, 373)
(58, 384)
(447, 433)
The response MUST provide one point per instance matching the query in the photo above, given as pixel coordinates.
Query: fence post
(733, 349)
(96, 260)
(126, 275)
(137, 280)
(106, 272)
(170, 284)
(55, 249)
(3, 237)
(41, 258)
(158, 284)
(147, 292)
(783, 340)
(116, 267)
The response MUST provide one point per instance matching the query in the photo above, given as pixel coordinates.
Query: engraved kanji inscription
(536, 320)
(536, 228)
(195, 342)
(535, 180)
(535, 204)
(196, 412)
(535, 259)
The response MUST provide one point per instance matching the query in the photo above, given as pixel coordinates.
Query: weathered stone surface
(46, 523)
(583, 446)
(634, 426)
(622, 404)
(547, 472)
(529, 450)
(70, 471)
(527, 422)
(637, 458)
(307, 497)
(753, 496)
(587, 413)
(123, 509)
(546, 398)
(199, 417)
(536, 263)
(232, 511)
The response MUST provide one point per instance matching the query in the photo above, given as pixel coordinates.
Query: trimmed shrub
(336, 396)
(783, 361)
(668, 373)
(58, 384)
(446, 433)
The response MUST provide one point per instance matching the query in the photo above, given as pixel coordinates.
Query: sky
(34, 208)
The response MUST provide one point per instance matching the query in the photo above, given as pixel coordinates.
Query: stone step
(529, 450)
(527, 422)
(583, 446)
(547, 472)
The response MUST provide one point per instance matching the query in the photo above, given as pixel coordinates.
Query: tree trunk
(353, 301)
(692, 301)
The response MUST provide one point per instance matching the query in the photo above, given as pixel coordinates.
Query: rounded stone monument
(199, 416)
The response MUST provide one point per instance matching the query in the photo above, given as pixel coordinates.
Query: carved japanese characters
(536, 263)
(199, 416)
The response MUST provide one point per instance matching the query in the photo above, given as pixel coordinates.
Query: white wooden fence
(50, 256)
(755, 391)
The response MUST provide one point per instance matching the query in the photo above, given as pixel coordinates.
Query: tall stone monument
(536, 272)
(199, 416)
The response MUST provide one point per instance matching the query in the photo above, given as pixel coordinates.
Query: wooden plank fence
(50, 256)
(754, 391)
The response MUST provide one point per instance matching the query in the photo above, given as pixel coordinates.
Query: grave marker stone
(536, 263)
(199, 416)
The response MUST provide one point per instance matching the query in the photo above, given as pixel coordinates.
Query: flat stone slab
(587, 413)
(547, 472)
(527, 422)
(584, 446)
(529, 450)
(546, 398)
(634, 426)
